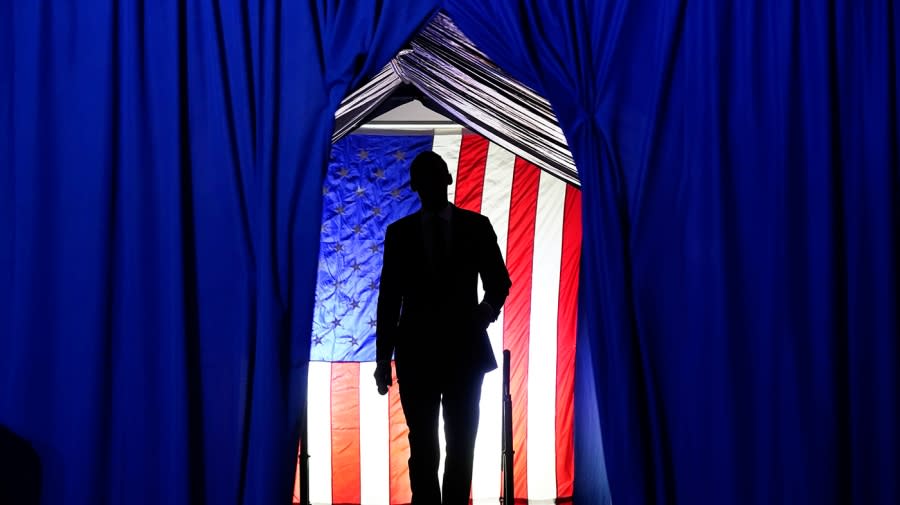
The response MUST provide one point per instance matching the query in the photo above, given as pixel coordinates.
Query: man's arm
(388, 312)
(494, 275)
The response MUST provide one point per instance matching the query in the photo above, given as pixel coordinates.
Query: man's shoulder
(471, 217)
(403, 223)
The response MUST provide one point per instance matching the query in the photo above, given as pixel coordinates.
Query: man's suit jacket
(428, 317)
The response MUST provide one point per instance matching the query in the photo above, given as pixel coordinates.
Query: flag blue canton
(366, 189)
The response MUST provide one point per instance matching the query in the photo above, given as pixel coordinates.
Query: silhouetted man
(429, 314)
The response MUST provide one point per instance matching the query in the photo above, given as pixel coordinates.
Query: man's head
(429, 177)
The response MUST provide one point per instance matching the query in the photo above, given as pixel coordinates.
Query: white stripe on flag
(542, 344)
(319, 432)
(374, 427)
(495, 206)
(447, 146)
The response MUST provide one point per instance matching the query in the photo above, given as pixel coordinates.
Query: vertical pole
(507, 465)
(304, 459)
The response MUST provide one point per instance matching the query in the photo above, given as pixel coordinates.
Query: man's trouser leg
(461, 409)
(421, 404)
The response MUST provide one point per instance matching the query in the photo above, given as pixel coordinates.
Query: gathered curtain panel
(160, 200)
(738, 325)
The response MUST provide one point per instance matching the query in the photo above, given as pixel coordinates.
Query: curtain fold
(359, 105)
(738, 338)
(463, 83)
(457, 76)
(161, 202)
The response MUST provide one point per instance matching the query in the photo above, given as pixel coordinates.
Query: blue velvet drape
(160, 193)
(738, 337)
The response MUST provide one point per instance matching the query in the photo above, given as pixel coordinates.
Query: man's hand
(383, 376)
(484, 315)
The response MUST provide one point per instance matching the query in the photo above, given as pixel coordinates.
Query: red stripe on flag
(297, 474)
(345, 481)
(517, 310)
(473, 152)
(567, 321)
(399, 448)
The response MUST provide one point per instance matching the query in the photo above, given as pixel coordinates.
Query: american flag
(356, 438)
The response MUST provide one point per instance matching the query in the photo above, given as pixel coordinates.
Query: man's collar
(444, 213)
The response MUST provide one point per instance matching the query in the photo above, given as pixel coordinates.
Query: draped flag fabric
(357, 439)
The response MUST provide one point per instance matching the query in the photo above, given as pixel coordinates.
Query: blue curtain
(161, 171)
(738, 338)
